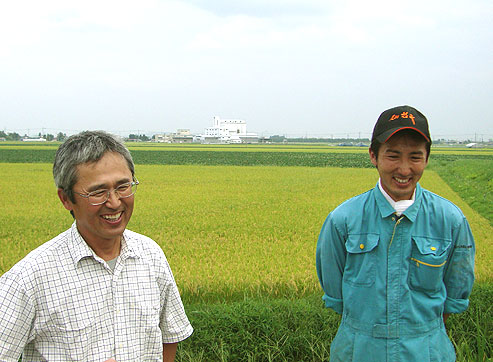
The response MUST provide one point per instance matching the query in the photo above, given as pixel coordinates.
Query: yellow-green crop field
(227, 231)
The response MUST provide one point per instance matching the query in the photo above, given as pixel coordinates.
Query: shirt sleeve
(459, 275)
(174, 323)
(16, 318)
(330, 260)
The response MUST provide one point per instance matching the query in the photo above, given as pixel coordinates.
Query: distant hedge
(210, 158)
(158, 157)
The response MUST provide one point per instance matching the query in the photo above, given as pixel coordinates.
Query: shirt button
(361, 246)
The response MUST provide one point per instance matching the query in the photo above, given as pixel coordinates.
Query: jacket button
(361, 246)
(433, 248)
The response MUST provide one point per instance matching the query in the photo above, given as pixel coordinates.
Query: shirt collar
(130, 248)
(81, 250)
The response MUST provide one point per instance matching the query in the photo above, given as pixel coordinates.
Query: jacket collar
(387, 210)
(412, 211)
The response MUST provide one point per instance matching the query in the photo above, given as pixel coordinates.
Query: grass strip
(302, 329)
(472, 179)
(260, 330)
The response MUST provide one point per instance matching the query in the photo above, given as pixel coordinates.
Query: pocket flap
(361, 243)
(430, 246)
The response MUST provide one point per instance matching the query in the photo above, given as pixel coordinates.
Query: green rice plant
(207, 157)
(27, 155)
(323, 157)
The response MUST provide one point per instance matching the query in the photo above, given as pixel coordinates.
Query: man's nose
(113, 200)
(405, 167)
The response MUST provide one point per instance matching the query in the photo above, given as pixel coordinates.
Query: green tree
(141, 137)
(277, 139)
(14, 136)
(60, 137)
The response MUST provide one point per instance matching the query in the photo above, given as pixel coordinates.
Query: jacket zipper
(393, 232)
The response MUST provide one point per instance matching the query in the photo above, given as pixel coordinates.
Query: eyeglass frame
(133, 183)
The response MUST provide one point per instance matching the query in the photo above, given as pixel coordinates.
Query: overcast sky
(293, 67)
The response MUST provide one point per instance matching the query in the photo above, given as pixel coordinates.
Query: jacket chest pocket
(427, 263)
(360, 268)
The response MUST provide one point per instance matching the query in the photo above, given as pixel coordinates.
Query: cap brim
(384, 137)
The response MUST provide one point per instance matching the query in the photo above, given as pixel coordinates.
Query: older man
(96, 292)
(397, 260)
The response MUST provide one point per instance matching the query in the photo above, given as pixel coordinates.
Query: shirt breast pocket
(360, 269)
(72, 330)
(427, 263)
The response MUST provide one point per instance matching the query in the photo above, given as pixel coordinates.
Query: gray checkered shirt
(64, 303)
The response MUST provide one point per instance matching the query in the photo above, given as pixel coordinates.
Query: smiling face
(400, 162)
(101, 224)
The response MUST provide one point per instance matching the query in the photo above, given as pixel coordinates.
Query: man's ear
(373, 157)
(65, 200)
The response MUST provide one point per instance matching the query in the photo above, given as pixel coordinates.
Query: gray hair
(87, 146)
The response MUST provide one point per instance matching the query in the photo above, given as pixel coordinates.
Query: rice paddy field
(239, 224)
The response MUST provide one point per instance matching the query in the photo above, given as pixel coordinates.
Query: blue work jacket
(392, 278)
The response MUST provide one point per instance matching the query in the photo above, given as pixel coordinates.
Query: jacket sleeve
(16, 317)
(459, 275)
(330, 261)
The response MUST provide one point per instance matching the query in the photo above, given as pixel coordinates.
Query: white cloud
(265, 59)
(263, 8)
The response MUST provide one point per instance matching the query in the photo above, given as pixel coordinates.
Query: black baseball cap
(396, 119)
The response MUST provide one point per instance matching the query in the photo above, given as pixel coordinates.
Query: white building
(183, 132)
(162, 138)
(181, 136)
(27, 139)
(228, 131)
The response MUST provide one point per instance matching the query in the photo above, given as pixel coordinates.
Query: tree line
(14, 136)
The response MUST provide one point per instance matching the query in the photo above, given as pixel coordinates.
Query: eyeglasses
(99, 197)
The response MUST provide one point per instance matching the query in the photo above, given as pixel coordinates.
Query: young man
(398, 259)
(96, 292)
